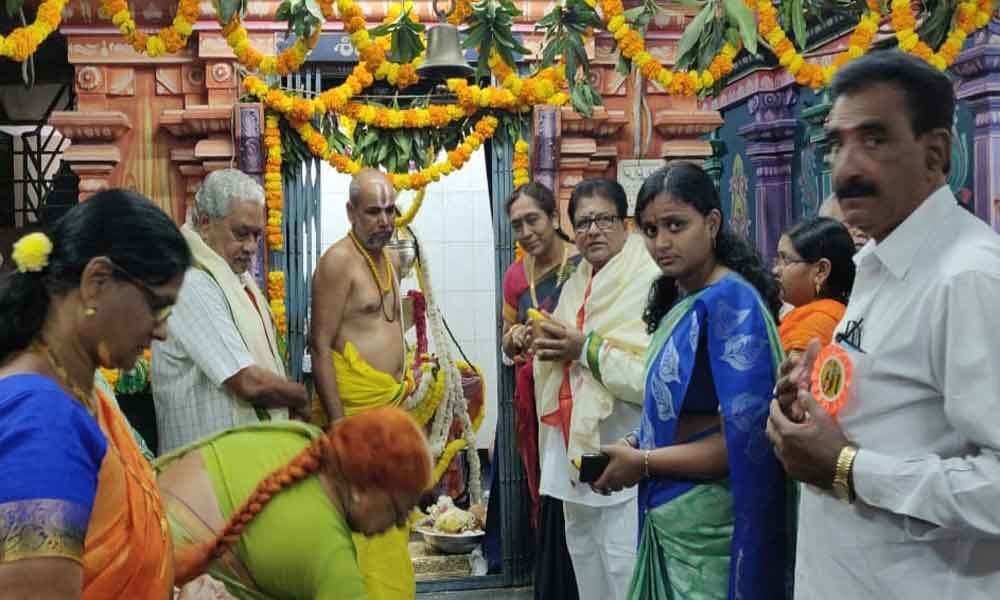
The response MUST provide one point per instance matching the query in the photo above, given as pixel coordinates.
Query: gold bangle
(842, 476)
(645, 464)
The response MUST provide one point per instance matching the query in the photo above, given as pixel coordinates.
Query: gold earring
(818, 288)
(90, 311)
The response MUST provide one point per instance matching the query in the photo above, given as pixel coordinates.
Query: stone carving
(89, 79)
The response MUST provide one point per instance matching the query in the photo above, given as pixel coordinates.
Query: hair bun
(31, 252)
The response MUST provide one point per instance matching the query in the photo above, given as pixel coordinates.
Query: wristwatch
(842, 488)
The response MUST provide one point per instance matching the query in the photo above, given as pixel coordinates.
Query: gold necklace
(85, 398)
(529, 267)
(383, 287)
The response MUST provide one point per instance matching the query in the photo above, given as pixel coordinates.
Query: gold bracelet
(842, 476)
(645, 464)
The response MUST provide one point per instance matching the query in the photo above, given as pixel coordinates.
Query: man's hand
(623, 470)
(558, 342)
(808, 449)
(795, 373)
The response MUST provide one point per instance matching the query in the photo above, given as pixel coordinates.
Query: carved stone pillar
(771, 148)
(94, 153)
(815, 118)
(684, 131)
(585, 151)
(713, 164)
(979, 67)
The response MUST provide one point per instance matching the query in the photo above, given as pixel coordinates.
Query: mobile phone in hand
(592, 466)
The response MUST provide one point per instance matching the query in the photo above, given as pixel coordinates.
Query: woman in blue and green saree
(712, 495)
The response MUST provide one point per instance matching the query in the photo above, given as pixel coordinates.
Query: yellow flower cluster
(111, 376)
(21, 43)
(399, 75)
(273, 192)
(969, 16)
(805, 72)
(276, 299)
(286, 62)
(299, 108)
(517, 94)
(633, 48)
(521, 165)
(406, 218)
(482, 131)
(168, 40)
(31, 252)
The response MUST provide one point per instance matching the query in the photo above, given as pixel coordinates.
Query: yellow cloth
(613, 310)
(384, 559)
(256, 328)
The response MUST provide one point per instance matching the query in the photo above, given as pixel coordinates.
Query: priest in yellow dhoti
(356, 318)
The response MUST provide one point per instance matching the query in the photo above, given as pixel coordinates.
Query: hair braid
(191, 561)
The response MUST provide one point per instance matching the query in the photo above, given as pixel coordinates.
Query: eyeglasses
(159, 307)
(783, 261)
(603, 222)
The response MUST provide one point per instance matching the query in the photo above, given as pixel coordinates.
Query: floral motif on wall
(739, 214)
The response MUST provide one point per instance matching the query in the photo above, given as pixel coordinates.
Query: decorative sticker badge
(831, 378)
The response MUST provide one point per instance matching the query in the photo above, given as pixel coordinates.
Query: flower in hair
(31, 252)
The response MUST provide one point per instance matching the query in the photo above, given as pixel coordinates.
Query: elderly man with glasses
(220, 366)
(589, 371)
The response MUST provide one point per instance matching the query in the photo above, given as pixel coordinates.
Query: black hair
(544, 199)
(823, 237)
(121, 225)
(929, 96)
(540, 193)
(690, 183)
(611, 191)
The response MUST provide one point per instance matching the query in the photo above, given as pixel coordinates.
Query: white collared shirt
(203, 349)
(925, 412)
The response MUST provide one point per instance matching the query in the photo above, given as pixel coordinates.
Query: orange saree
(818, 319)
(127, 552)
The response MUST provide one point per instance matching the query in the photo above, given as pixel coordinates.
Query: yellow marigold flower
(120, 17)
(707, 80)
(155, 46)
(908, 42)
(642, 58)
(854, 51)
(183, 27)
(31, 252)
(787, 57)
(796, 64)
(938, 62)
(664, 78)
(615, 23)
(520, 146)
(775, 36)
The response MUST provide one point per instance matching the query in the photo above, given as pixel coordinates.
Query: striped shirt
(203, 349)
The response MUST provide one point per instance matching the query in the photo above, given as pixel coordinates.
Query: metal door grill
(302, 232)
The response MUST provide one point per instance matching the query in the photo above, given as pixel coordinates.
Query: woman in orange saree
(816, 269)
(80, 512)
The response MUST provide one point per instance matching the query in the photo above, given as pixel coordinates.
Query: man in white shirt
(903, 498)
(221, 366)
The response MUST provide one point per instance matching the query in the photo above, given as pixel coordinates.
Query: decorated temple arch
(153, 95)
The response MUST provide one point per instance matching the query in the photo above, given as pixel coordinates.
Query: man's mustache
(855, 188)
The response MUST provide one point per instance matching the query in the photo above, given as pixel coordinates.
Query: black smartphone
(592, 466)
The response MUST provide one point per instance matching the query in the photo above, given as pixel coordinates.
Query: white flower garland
(454, 402)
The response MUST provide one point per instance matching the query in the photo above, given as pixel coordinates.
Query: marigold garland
(805, 72)
(482, 131)
(168, 40)
(411, 212)
(273, 192)
(521, 174)
(968, 17)
(21, 43)
(633, 48)
(288, 61)
(276, 297)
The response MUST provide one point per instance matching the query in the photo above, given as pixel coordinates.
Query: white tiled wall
(456, 234)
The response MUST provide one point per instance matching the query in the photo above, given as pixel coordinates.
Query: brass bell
(444, 58)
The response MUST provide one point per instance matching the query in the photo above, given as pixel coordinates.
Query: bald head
(369, 183)
(371, 208)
